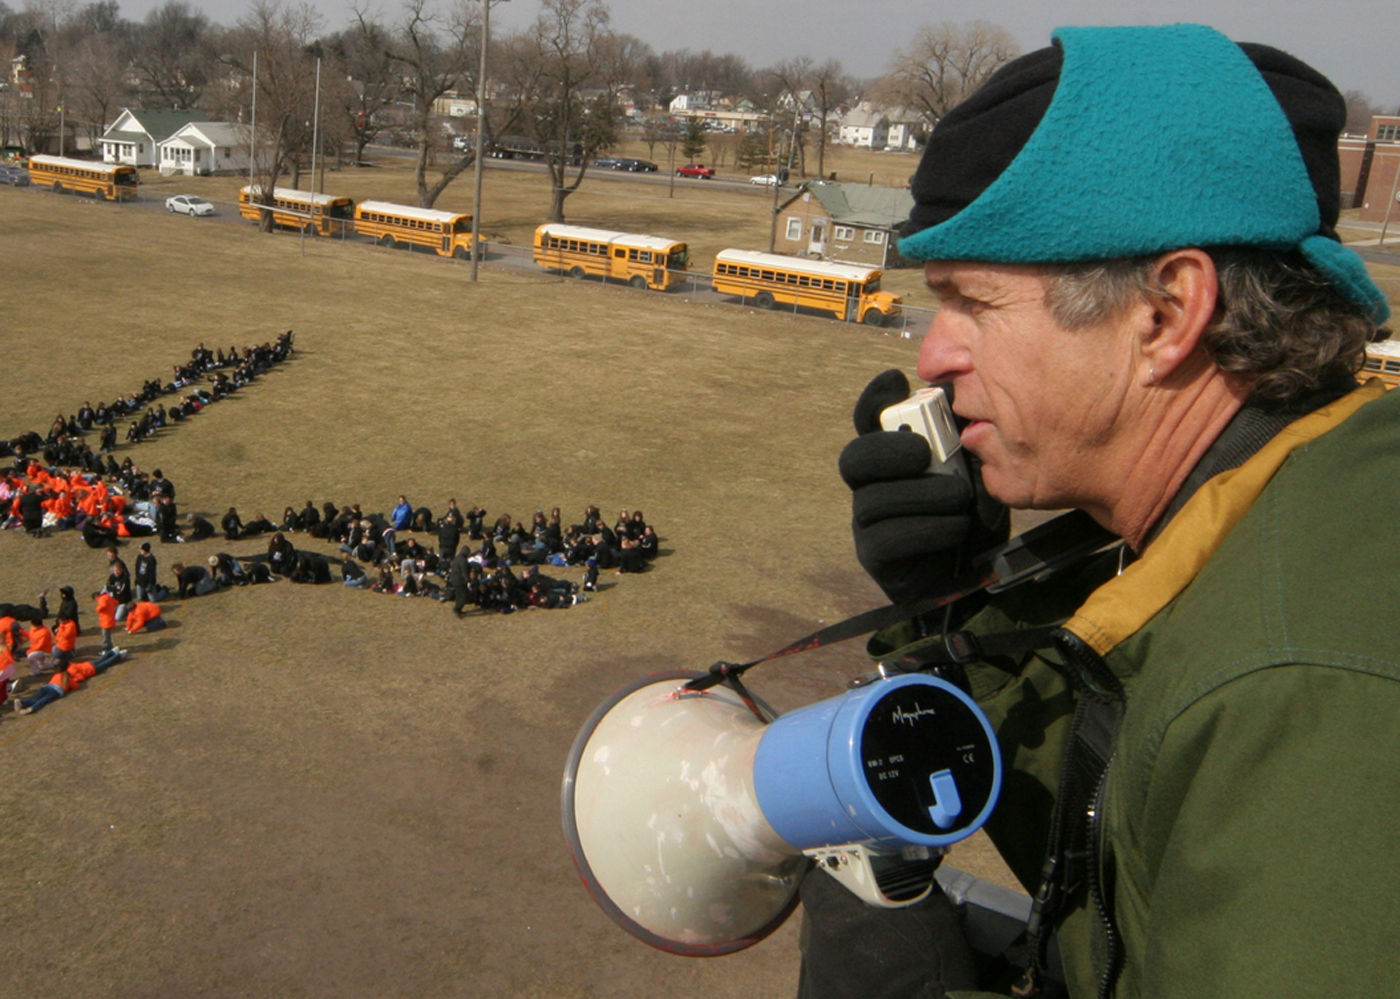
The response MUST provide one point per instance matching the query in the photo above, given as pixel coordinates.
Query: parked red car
(695, 170)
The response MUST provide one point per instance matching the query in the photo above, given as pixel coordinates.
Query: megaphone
(692, 816)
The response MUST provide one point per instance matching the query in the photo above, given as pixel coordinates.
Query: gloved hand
(912, 531)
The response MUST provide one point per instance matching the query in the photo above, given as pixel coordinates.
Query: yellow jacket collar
(1116, 610)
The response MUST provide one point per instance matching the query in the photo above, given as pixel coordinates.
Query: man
(1145, 315)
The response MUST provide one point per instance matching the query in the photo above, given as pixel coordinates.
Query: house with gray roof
(843, 223)
(205, 147)
(133, 137)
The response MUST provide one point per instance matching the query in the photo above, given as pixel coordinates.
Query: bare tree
(433, 53)
(945, 63)
(363, 81)
(1360, 109)
(282, 36)
(172, 58)
(653, 131)
(830, 89)
(96, 82)
(564, 73)
(793, 78)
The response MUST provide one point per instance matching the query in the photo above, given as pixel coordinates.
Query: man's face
(1043, 403)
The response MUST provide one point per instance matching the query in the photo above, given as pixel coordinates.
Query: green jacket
(1252, 808)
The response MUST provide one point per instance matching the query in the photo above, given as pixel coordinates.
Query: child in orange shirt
(7, 673)
(144, 616)
(65, 640)
(106, 616)
(40, 647)
(68, 680)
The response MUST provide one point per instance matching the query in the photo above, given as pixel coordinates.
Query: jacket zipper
(1096, 885)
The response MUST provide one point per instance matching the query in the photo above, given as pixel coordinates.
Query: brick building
(1370, 168)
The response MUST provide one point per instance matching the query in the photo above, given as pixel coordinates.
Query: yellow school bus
(847, 291)
(448, 234)
(642, 261)
(294, 209)
(105, 181)
(1383, 362)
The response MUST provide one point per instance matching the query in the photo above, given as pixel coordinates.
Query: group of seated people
(476, 557)
(129, 503)
(25, 636)
(66, 444)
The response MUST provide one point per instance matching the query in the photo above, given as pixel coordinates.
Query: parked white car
(764, 180)
(189, 204)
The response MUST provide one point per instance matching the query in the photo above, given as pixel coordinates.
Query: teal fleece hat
(1154, 138)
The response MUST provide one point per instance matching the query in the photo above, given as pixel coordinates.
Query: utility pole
(480, 131)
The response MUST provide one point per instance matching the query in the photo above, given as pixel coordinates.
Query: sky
(1351, 41)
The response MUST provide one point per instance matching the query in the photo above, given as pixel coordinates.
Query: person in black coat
(167, 519)
(309, 517)
(232, 525)
(449, 535)
(146, 569)
(31, 510)
(200, 528)
(119, 582)
(281, 555)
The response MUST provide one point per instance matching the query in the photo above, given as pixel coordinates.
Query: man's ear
(1188, 289)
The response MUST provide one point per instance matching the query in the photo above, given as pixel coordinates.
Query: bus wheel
(638, 282)
(764, 300)
(577, 272)
(461, 253)
(100, 194)
(57, 188)
(874, 317)
(386, 241)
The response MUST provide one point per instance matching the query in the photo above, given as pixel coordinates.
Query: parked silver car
(189, 204)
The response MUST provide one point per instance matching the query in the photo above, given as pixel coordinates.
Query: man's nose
(942, 354)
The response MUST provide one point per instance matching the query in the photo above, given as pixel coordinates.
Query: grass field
(301, 791)
(310, 791)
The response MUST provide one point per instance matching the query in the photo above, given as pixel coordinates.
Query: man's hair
(1279, 324)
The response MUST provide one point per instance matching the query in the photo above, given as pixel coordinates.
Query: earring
(1152, 375)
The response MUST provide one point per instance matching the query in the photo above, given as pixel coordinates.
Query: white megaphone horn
(692, 816)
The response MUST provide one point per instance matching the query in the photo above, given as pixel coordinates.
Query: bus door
(852, 301)
(619, 253)
(447, 245)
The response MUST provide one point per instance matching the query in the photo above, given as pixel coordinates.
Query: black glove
(913, 531)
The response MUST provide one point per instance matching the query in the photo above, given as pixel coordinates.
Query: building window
(1388, 133)
(844, 232)
(794, 228)
(874, 236)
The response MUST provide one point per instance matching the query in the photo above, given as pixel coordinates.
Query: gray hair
(1279, 324)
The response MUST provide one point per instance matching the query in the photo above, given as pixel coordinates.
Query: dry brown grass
(311, 791)
(304, 791)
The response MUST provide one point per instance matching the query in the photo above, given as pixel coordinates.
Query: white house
(132, 138)
(864, 125)
(204, 147)
(879, 128)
